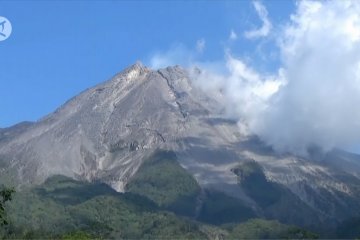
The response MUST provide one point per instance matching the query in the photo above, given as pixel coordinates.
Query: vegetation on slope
(219, 208)
(164, 181)
(159, 194)
(349, 229)
(5, 196)
(56, 210)
(264, 229)
(274, 200)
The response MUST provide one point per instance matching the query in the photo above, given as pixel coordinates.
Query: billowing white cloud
(320, 50)
(314, 96)
(245, 92)
(233, 36)
(264, 30)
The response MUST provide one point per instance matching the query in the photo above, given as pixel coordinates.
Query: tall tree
(5, 195)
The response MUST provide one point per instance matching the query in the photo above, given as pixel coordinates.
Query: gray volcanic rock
(12, 132)
(106, 132)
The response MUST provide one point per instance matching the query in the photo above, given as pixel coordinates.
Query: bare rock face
(106, 132)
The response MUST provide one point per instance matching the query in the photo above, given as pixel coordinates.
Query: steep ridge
(103, 133)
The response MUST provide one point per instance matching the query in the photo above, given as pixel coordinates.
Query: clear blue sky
(59, 48)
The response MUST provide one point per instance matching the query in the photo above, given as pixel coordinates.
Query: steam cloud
(314, 97)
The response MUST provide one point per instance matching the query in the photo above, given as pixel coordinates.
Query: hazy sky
(59, 48)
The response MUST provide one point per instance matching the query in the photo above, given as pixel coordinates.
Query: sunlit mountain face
(239, 121)
(156, 135)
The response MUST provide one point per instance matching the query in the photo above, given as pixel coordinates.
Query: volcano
(109, 132)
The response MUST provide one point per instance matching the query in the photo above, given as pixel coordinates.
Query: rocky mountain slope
(107, 132)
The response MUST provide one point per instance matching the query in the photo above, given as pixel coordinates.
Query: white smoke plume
(320, 50)
(245, 93)
(314, 96)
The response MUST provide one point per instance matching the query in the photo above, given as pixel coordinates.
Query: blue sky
(59, 48)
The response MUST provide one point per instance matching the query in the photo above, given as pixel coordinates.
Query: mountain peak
(135, 70)
(138, 65)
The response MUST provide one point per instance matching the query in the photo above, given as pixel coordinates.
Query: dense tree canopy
(5, 195)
